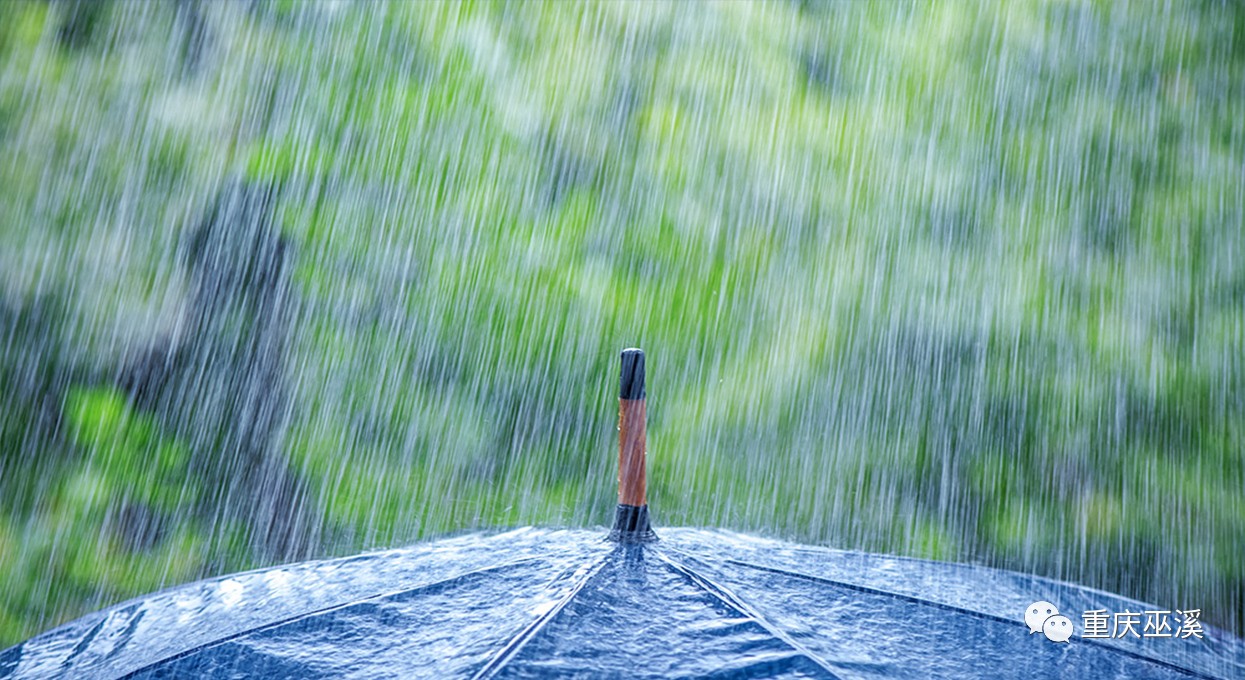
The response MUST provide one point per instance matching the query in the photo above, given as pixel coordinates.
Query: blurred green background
(282, 280)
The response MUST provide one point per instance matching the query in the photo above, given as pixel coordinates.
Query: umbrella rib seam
(319, 612)
(725, 596)
(961, 610)
(519, 641)
(823, 551)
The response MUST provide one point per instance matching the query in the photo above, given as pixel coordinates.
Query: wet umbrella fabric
(538, 602)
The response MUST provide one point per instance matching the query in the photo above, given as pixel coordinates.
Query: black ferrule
(631, 525)
(631, 380)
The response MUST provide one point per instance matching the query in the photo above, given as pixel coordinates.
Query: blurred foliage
(123, 451)
(962, 281)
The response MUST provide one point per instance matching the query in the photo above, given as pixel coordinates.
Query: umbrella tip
(631, 523)
(631, 377)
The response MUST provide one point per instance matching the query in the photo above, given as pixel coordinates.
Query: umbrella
(679, 602)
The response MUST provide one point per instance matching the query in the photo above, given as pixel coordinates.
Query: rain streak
(286, 280)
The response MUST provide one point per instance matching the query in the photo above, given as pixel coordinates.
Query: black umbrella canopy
(543, 602)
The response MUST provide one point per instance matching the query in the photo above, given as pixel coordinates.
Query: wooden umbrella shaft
(632, 437)
(631, 523)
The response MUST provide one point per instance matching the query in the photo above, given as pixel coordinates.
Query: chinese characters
(1149, 623)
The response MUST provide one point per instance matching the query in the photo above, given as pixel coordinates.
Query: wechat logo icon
(1044, 617)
